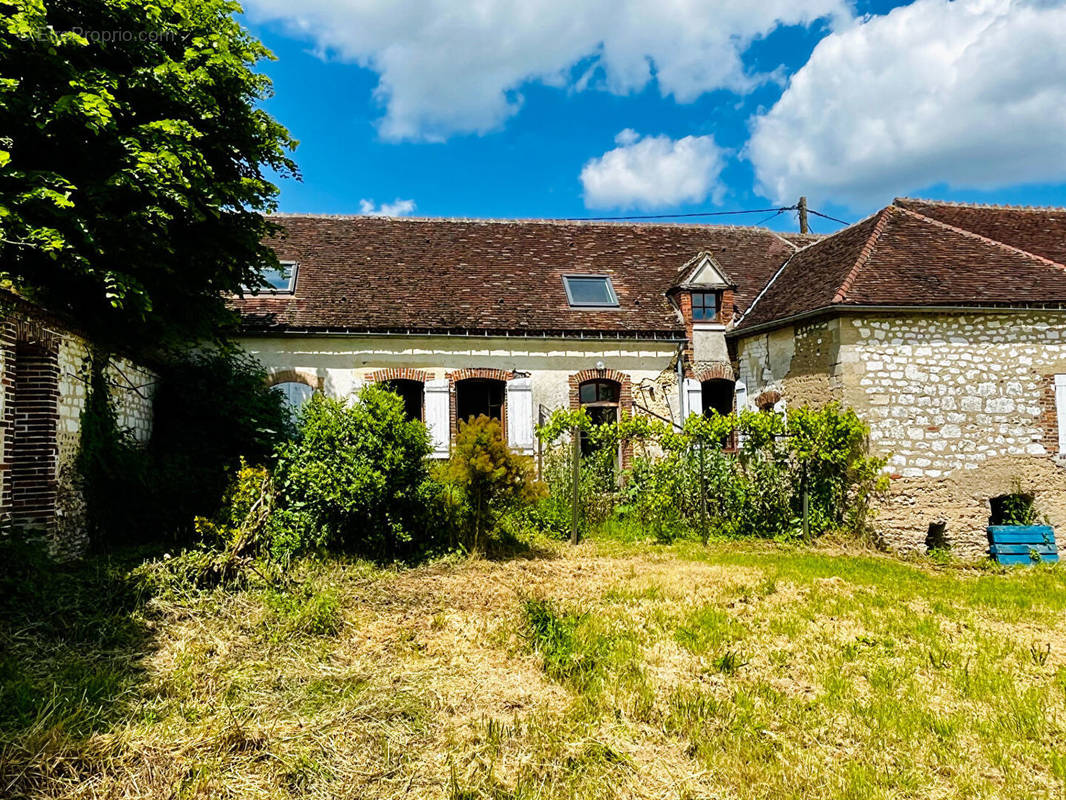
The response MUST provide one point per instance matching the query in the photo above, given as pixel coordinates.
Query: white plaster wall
(343, 362)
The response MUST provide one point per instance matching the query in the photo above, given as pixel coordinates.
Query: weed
(1040, 655)
(729, 663)
(301, 611)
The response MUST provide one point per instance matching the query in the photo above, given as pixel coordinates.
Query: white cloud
(653, 172)
(971, 93)
(451, 67)
(397, 208)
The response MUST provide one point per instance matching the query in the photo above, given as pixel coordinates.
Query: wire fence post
(575, 519)
(703, 496)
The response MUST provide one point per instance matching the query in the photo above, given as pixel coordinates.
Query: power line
(679, 216)
(775, 215)
(826, 216)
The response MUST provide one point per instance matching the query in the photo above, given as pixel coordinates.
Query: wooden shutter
(1060, 409)
(438, 416)
(693, 397)
(520, 414)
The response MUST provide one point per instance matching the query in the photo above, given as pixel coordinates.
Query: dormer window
(704, 306)
(590, 291)
(276, 281)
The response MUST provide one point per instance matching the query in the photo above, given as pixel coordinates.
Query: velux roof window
(276, 281)
(590, 291)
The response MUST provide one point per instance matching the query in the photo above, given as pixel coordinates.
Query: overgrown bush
(483, 478)
(351, 478)
(682, 481)
(212, 408)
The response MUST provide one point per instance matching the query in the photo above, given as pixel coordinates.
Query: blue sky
(869, 118)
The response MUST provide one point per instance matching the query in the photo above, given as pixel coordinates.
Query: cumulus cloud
(397, 208)
(971, 93)
(450, 67)
(653, 172)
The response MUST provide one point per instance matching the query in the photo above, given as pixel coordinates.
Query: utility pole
(801, 206)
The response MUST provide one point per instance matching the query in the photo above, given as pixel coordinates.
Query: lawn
(738, 670)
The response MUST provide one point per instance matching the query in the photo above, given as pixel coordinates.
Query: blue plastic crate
(1017, 544)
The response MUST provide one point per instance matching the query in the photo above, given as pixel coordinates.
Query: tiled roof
(1036, 230)
(900, 257)
(374, 274)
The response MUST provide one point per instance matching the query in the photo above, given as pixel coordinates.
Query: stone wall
(44, 374)
(959, 401)
(961, 404)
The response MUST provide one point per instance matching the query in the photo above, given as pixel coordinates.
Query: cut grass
(613, 670)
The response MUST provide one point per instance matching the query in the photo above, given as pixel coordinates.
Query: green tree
(492, 476)
(134, 162)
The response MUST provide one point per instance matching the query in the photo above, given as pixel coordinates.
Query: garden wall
(44, 374)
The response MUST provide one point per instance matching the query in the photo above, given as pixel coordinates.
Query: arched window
(294, 392)
(477, 396)
(412, 394)
(599, 398)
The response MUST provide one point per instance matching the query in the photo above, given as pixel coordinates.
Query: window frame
(613, 303)
(703, 306)
(294, 266)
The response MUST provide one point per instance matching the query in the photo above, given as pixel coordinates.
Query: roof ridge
(995, 242)
(864, 254)
(987, 206)
(561, 221)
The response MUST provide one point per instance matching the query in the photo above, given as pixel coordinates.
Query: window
(477, 396)
(599, 398)
(590, 290)
(276, 281)
(411, 392)
(294, 392)
(704, 306)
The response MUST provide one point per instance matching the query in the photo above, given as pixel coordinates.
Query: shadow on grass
(71, 646)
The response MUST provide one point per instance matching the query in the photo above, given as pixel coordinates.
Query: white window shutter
(1060, 409)
(520, 414)
(693, 396)
(741, 391)
(438, 416)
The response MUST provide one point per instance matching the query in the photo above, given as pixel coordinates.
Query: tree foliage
(491, 476)
(134, 162)
(351, 478)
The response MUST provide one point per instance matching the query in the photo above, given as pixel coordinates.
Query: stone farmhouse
(943, 325)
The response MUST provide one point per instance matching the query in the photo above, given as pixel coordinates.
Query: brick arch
(767, 398)
(479, 372)
(716, 372)
(466, 373)
(625, 397)
(397, 374)
(290, 375)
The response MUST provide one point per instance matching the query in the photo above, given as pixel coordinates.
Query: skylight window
(277, 281)
(590, 291)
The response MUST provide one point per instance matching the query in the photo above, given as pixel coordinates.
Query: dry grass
(734, 671)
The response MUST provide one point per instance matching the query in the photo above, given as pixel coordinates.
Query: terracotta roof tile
(901, 258)
(368, 273)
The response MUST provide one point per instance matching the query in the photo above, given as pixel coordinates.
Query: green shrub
(485, 477)
(212, 408)
(351, 478)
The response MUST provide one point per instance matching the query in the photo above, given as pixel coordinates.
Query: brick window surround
(476, 372)
(1049, 418)
(401, 374)
(30, 422)
(716, 372)
(625, 397)
(289, 375)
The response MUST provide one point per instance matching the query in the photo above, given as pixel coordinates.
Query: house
(509, 319)
(941, 324)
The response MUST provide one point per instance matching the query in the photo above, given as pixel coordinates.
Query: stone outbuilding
(944, 327)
